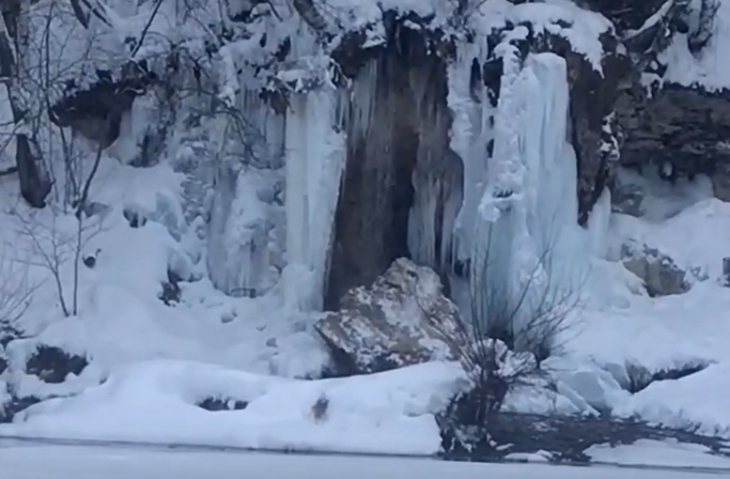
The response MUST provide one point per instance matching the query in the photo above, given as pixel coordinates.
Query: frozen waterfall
(527, 247)
(315, 158)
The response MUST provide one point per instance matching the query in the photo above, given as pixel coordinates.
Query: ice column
(528, 248)
(471, 133)
(315, 159)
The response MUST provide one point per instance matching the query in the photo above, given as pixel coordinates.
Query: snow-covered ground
(28, 461)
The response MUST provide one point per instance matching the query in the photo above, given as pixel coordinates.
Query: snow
(154, 402)
(709, 68)
(660, 453)
(582, 28)
(677, 404)
(29, 460)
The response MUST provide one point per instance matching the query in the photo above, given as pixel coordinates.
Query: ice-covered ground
(29, 461)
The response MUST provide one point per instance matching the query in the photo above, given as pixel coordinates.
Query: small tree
(511, 332)
(52, 247)
(16, 294)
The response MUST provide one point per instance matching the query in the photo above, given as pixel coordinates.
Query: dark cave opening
(404, 146)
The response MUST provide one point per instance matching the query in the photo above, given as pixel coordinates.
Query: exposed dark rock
(406, 133)
(96, 112)
(34, 185)
(52, 364)
(135, 218)
(9, 409)
(680, 130)
(214, 404)
(403, 319)
(639, 377)
(3, 362)
(171, 291)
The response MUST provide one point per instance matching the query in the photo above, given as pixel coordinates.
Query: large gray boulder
(402, 319)
(659, 272)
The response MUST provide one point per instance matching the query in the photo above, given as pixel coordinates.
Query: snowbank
(659, 453)
(155, 402)
(696, 401)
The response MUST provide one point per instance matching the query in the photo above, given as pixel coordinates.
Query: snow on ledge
(155, 402)
(709, 69)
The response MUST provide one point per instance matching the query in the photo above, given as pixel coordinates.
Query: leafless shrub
(16, 293)
(512, 330)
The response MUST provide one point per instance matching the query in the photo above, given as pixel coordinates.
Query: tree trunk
(34, 187)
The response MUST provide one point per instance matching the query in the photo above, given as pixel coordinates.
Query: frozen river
(48, 461)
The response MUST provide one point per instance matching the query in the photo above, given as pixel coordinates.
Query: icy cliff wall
(322, 140)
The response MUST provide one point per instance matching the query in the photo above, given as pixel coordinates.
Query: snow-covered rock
(660, 273)
(402, 319)
(596, 386)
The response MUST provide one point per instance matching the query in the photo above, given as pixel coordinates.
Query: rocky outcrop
(661, 275)
(397, 152)
(402, 319)
(95, 112)
(593, 94)
(681, 131)
(52, 364)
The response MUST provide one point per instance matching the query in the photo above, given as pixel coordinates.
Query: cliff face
(400, 174)
(411, 90)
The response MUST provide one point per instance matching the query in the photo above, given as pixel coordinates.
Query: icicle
(471, 131)
(315, 158)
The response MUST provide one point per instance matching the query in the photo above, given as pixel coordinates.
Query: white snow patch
(695, 401)
(388, 413)
(659, 453)
(709, 68)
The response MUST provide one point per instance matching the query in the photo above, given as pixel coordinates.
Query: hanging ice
(528, 247)
(315, 158)
(471, 133)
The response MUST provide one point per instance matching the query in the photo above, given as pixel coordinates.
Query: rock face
(659, 272)
(402, 319)
(52, 364)
(679, 130)
(593, 94)
(398, 157)
(625, 14)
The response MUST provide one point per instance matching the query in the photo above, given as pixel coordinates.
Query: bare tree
(510, 333)
(52, 247)
(16, 293)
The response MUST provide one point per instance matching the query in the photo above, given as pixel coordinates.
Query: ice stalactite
(315, 159)
(402, 185)
(471, 135)
(242, 206)
(438, 175)
(371, 223)
(527, 244)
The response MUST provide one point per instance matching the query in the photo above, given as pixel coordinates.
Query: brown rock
(402, 319)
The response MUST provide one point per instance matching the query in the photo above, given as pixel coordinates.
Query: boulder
(52, 364)
(660, 273)
(402, 319)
